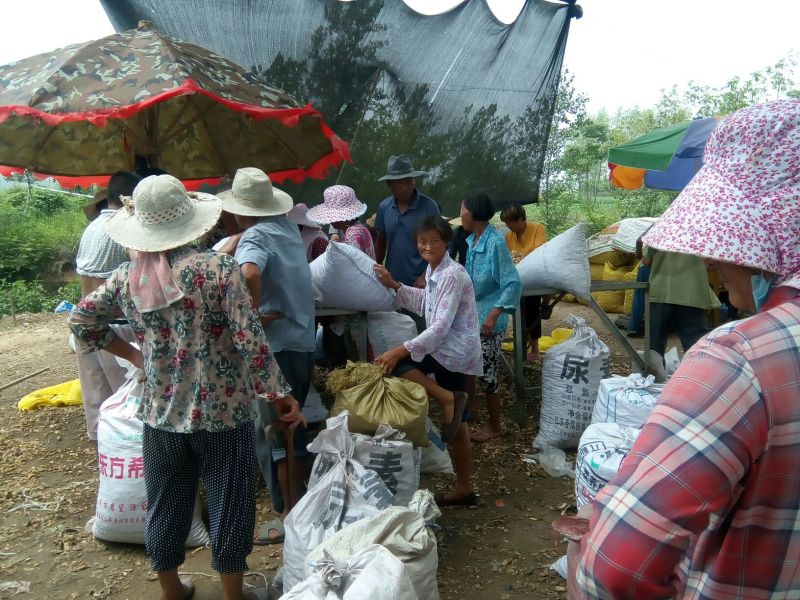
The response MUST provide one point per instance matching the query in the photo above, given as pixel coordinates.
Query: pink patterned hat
(340, 204)
(743, 206)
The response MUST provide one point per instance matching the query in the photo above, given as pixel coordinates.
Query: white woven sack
(347, 493)
(370, 574)
(435, 458)
(387, 330)
(602, 448)
(345, 277)
(403, 531)
(571, 375)
(121, 510)
(626, 401)
(393, 458)
(561, 264)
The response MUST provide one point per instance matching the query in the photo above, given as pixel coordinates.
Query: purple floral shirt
(205, 356)
(452, 336)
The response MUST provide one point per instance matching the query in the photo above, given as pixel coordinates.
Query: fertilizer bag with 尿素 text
(571, 375)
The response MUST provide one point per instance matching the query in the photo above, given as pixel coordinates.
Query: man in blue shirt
(273, 260)
(396, 217)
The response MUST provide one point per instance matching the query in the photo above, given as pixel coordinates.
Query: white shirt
(99, 255)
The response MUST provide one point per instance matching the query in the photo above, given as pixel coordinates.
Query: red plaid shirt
(707, 503)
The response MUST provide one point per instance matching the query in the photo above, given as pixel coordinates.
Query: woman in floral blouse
(204, 357)
(449, 347)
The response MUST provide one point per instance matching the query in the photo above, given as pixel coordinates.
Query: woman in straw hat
(707, 503)
(341, 208)
(205, 359)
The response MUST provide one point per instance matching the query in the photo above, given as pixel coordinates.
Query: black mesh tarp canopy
(468, 97)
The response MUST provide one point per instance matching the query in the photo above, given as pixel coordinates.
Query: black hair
(478, 203)
(121, 183)
(434, 222)
(512, 212)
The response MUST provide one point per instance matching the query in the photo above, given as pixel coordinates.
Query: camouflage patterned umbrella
(89, 109)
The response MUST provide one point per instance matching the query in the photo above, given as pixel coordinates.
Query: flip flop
(442, 501)
(459, 404)
(264, 538)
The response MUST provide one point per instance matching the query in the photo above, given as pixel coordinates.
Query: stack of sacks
(623, 405)
(403, 531)
(346, 493)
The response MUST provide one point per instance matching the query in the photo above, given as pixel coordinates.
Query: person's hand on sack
(487, 329)
(389, 359)
(289, 411)
(229, 247)
(383, 275)
(335, 237)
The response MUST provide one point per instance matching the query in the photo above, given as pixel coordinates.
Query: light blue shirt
(494, 276)
(275, 247)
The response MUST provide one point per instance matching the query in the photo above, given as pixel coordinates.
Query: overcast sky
(622, 52)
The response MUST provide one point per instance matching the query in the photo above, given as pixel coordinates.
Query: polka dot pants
(174, 464)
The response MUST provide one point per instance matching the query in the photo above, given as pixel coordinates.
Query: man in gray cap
(396, 217)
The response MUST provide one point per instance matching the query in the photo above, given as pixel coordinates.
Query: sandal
(442, 501)
(264, 539)
(459, 404)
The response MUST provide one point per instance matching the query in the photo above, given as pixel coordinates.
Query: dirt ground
(500, 550)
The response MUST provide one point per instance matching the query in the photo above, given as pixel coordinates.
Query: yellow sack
(628, 307)
(558, 335)
(612, 302)
(63, 394)
(373, 399)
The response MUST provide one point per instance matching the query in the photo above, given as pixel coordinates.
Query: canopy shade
(89, 109)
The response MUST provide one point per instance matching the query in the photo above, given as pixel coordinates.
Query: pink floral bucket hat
(743, 206)
(339, 204)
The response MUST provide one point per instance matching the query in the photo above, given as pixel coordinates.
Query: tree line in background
(482, 149)
(40, 229)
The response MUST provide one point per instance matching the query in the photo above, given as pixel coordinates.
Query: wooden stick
(21, 379)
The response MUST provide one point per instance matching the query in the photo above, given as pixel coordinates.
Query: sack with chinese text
(600, 453)
(393, 458)
(626, 401)
(571, 375)
(435, 458)
(371, 573)
(121, 498)
(404, 532)
(345, 494)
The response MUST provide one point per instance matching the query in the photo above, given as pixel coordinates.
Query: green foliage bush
(23, 296)
(38, 236)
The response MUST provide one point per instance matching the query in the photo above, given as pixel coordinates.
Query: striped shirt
(98, 255)
(707, 503)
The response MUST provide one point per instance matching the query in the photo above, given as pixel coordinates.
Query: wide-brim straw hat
(162, 215)
(400, 167)
(340, 204)
(253, 195)
(299, 215)
(91, 209)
